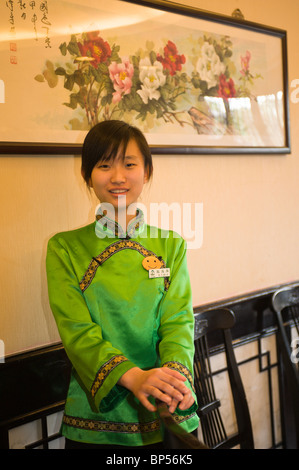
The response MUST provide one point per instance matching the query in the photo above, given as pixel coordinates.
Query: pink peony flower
(245, 63)
(121, 76)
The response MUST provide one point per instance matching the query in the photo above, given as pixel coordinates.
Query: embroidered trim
(89, 274)
(105, 426)
(181, 419)
(104, 371)
(182, 369)
(115, 228)
(110, 250)
(126, 428)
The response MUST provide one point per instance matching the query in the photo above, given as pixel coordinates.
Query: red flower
(171, 61)
(96, 48)
(226, 88)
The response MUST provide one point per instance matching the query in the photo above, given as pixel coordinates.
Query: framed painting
(192, 81)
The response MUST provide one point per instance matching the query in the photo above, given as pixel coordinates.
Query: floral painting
(155, 83)
(191, 83)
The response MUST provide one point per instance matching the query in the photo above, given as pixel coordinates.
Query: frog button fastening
(151, 262)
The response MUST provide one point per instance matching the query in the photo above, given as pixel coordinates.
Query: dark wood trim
(32, 381)
(254, 313)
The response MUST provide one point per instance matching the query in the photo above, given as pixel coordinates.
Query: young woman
(128, 336)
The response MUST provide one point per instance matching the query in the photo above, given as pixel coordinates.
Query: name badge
(163, 272)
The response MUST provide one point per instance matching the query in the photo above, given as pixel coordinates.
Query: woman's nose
(118, 175)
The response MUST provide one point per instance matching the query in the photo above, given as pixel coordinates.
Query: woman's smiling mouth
(118, 191)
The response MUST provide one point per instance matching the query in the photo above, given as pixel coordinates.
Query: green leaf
(164, 93)
(39, 78)
(203, 86)
(73, 102)
(114, 54)
(104, 101)
(102, 68)
(60, 71)
(81, 97)
(79, 78)
(73, 48)
(153, 57)
(228, 53)
(49, 74)
(69, 82)
(160, 113)
(150, 45)
(109, 98)
(115, 48)
(63, 48)
(196, 82)
(107, 82)
(151, 107)
(184, 77)
(135, 61)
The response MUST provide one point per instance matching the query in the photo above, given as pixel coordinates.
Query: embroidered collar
(107, 227)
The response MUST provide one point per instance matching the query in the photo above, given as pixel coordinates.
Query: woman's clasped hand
(163, 384)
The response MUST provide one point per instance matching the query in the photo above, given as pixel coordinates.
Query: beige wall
(251, 210)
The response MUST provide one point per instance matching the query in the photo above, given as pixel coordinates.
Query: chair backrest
(209, 411)
(285, 304)
(287, 300)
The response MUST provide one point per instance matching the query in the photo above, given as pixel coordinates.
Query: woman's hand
(164, 384)
(187, 401)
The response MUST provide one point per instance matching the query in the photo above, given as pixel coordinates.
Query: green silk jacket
(111, 316)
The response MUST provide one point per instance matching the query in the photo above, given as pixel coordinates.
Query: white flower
(152, 78)
(209, 65)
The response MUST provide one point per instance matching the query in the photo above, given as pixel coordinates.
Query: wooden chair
(285, 304)
(209, 407)
(174, 436)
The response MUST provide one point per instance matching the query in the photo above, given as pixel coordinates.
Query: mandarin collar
(107, 227)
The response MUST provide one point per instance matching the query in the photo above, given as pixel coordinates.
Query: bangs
(116, 148)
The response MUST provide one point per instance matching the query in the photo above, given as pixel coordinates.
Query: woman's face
(120, 182)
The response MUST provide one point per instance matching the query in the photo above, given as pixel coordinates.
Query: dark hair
(103, 142)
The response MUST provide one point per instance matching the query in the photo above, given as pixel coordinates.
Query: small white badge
(163, 272)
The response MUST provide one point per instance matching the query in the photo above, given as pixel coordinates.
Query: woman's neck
(123, 216)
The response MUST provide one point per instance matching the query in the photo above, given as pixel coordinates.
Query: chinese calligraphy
(33, 11)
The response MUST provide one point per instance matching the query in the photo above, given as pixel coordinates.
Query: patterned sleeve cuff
(104, 372)
(175, 365)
